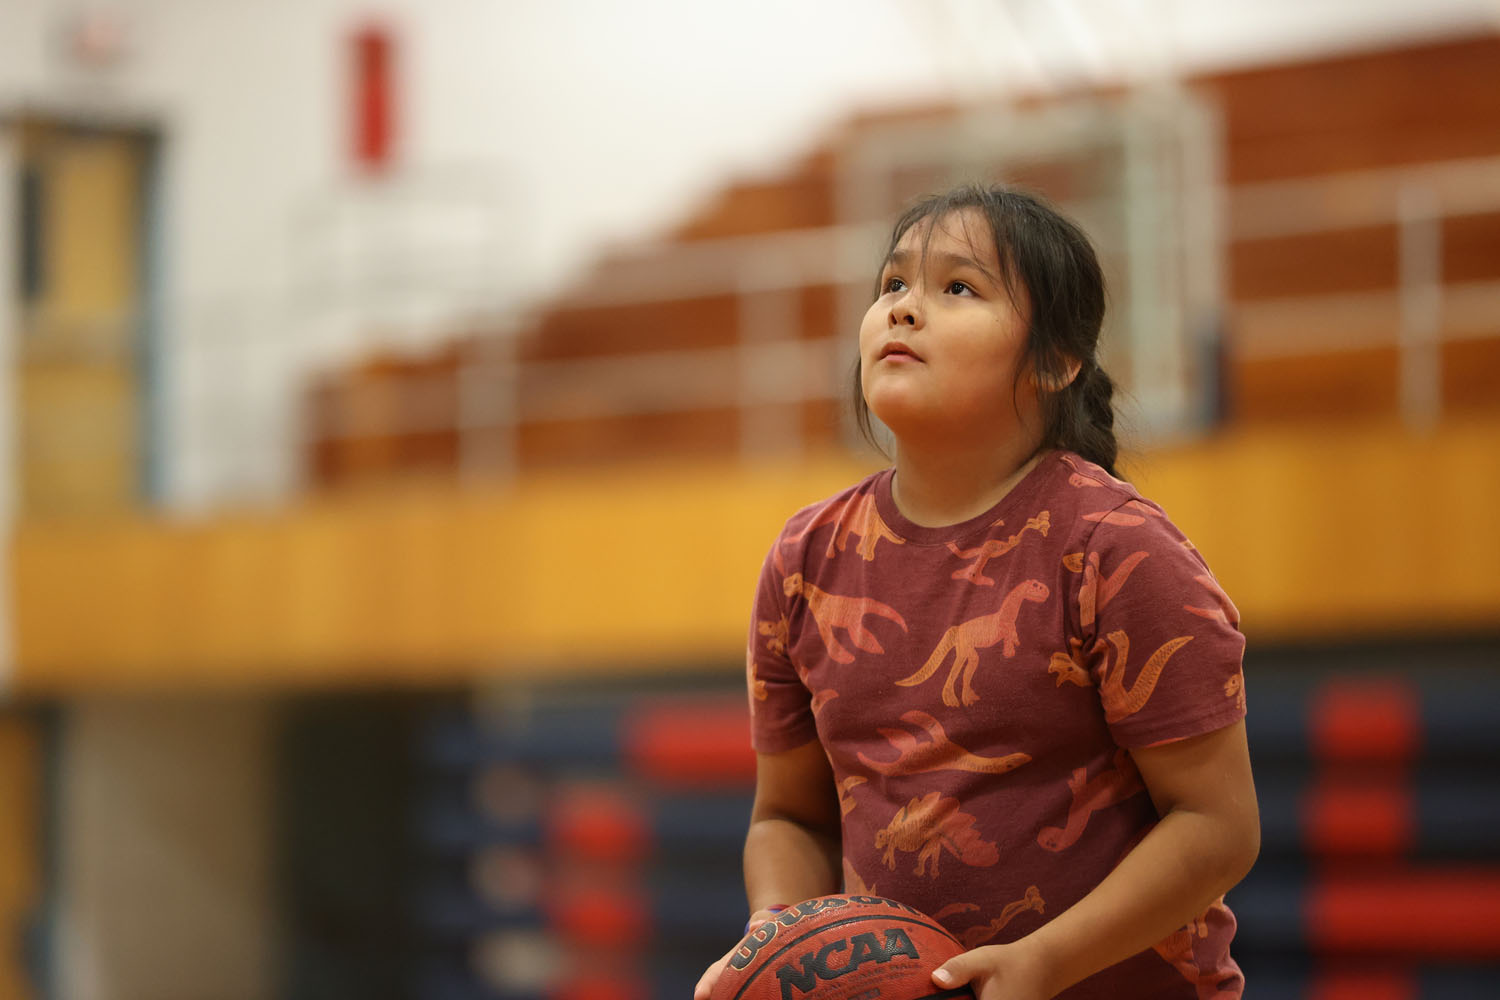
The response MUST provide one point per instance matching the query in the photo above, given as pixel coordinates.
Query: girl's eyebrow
(904, 258)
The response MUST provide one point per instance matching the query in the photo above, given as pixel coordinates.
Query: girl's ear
(1060, 381)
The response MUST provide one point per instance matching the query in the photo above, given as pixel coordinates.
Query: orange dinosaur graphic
(1069, 667)
(1095, 592)
(1223, 609)
(929, 826)
(993, 547)
(1115, 517)
(1107, 788)
(966, 639)
(953, 909)
(1118, 702)
(846, 787)
(756, 685)
(973, 937)
(831, 611)
(863, 519)
(1120, 518)
(1177, 948)
(1235, 688)
(1068, 461)
(936, 753)
(860, 517)
(819, 698)
(776, 634)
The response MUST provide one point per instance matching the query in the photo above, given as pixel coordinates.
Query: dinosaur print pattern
(1178, 949)
(775, 633)
(929, 826)
(1069, 667)
(994, 547)
(1120, 701)
(865, 522)
(936, 753)
(1122, 518)
(1223, 609)
(846, 787)
(965, 640)
(1235, 688)
(976, 689)
(1095, 592)
(1031, 902)
(752, 680)
(1108, 788)
(832, 611)
(1116, 517)
(954, 909)
(860, 518)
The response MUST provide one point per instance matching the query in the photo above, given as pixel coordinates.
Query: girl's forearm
(786, 862)
(1183, 865)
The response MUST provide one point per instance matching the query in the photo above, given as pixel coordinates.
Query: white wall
(565, 124)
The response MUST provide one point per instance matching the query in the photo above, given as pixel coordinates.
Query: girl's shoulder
(1089, 498)
(1091, 485)
(1083, 474)
(830, 510)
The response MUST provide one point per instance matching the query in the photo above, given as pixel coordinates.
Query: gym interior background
(398, 403)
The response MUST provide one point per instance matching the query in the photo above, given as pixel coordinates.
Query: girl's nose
(905, 311)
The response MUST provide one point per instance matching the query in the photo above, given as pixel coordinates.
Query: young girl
(994, 682)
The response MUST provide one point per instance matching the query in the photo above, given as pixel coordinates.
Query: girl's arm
(793, 850)
(1208, 838)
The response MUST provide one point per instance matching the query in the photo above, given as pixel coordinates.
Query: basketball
(841, 948)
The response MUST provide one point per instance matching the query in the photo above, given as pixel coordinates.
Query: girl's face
(941, 347)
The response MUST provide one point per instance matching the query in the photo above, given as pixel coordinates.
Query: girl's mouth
(898, 350)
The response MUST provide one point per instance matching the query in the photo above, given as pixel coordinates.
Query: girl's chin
(896, 405)
(905, 419)
(922, 420)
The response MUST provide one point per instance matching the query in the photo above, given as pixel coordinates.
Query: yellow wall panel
(93, 216)
(1333, 532)
(77, 446)
(1343, 531)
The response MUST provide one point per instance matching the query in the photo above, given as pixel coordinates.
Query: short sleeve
(781, 716)
(1159, 636)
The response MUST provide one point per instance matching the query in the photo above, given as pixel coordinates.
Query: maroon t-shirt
(977, 687)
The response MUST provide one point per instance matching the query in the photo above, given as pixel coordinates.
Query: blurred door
(80, 355)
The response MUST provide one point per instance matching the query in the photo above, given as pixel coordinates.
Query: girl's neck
(949, 486)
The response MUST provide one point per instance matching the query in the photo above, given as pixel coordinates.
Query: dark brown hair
(1051, 258)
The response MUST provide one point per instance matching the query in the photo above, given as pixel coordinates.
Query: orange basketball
(841, 948)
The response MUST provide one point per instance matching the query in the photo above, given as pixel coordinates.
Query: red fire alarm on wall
(372, 57)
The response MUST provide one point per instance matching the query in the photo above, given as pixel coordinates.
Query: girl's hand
(711, 975)
(710, 978)
(997, 972)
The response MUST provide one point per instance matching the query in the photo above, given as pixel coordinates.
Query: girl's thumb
(952, 973)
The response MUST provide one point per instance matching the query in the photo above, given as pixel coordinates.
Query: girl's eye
(894, 285)
(959, 288)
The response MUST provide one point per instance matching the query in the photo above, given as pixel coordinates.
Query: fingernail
(943, 976)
